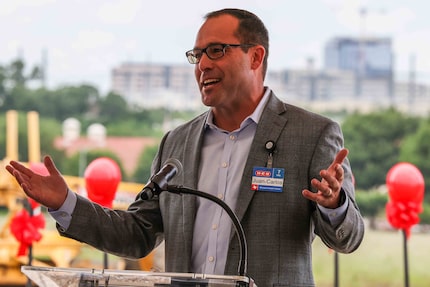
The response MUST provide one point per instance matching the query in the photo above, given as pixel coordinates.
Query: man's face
(222, 82)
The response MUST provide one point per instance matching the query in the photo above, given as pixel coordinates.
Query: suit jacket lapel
(269, 127)
(191, 159)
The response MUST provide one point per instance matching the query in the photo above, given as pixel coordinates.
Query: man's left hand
(329, 188)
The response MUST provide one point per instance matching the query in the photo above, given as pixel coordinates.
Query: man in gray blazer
(283, 170)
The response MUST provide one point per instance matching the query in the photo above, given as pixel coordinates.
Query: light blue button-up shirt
(222, 163)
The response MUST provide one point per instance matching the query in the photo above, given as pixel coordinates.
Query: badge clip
(270, 147)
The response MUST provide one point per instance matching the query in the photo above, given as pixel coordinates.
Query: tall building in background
(358, 74)
(367, 58)
(151, 85)
(371, 57)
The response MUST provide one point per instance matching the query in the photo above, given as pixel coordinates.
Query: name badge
(267, 179)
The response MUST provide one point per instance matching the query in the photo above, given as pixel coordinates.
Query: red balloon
(102, 177)
(403, 215)
(26, 228)
(34, 204)
(39, 168)
(405, 182)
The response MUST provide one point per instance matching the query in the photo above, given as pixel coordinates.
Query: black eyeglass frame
(194, 59)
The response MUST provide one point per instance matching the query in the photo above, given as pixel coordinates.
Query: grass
(378, 262)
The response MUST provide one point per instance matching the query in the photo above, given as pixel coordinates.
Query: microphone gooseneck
(243, 259)
(159, 183)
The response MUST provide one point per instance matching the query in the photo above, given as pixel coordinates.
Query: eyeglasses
(213, 51)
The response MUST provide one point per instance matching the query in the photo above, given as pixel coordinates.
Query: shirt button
(211, 259)
(232, 137)
(214, 226)
(220, 196)
(224, 164)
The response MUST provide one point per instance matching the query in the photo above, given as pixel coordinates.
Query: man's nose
(205, 62)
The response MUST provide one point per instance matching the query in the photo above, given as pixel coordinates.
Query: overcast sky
(85, 39)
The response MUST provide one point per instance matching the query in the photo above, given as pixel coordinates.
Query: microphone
(158, 182)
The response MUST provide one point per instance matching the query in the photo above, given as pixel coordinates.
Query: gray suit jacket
(279, 227)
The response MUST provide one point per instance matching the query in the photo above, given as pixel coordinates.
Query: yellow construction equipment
(52, 248)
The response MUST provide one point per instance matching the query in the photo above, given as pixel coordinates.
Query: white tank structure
(96, 133)
(71, 131)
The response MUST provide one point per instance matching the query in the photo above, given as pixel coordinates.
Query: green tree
(71, 101)
(113, 107)
(13, 84)
(416, 150)
(50, 129)
(374, 141)
(371, 204)
(3, 78)
(130, 126)
(77, 163)
(143, 170)
(16, 73)
(20, 98)
(425, 215)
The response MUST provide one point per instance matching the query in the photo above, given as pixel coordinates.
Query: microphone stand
(236, 223)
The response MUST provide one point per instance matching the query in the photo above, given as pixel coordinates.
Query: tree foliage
(113, 108)
(83, 102)
(143, 170)
(371, 204)
(375, 141)
(416, 150)
(77, 163)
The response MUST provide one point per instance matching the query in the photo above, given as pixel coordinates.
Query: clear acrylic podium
(70, 277)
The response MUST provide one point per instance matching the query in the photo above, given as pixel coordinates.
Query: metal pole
(405, 255)
(105, 260)
(336, 269)
(27, 205)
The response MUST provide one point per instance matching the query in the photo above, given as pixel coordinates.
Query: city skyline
(85, 40)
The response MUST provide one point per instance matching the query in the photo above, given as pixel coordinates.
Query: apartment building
(358, 74)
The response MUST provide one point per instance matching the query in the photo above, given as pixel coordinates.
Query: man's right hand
(50, 190)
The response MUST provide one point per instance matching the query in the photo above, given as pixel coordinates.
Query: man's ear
(258, 53)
